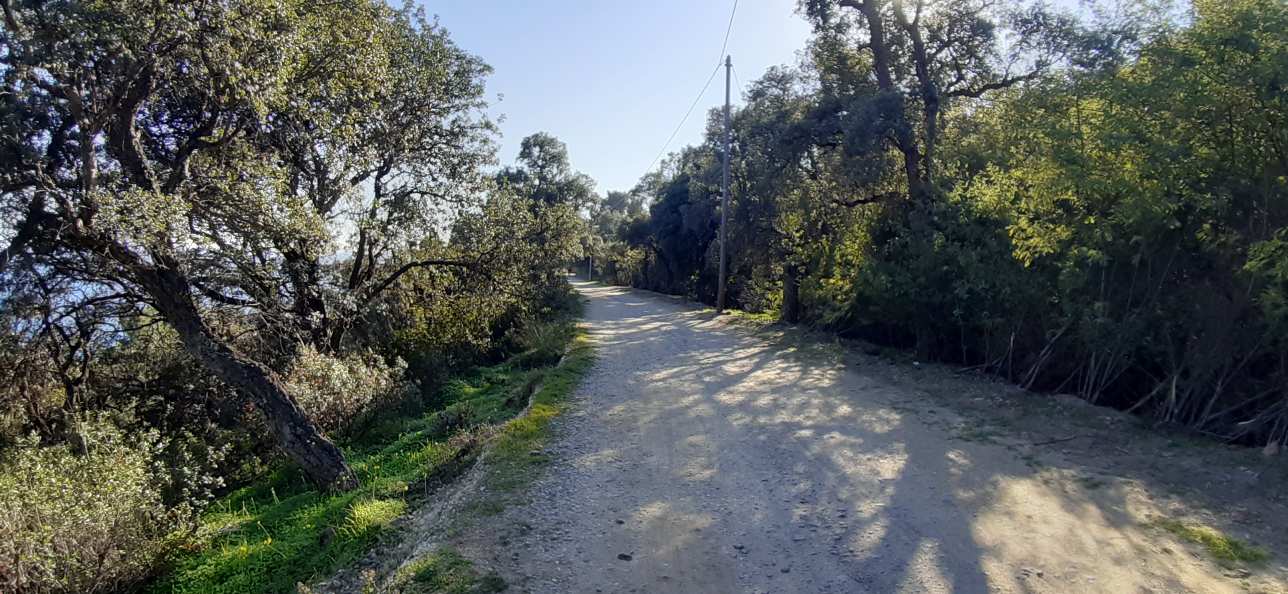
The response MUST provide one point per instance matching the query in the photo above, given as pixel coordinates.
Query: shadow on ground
(705, 459)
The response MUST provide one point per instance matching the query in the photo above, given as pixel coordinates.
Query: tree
(544, 174)
(922, 57)
(203, 163)
(787, 196)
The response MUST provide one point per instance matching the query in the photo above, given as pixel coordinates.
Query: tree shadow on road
(870, 487)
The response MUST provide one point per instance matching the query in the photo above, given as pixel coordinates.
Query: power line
(728, 30)
(719, 62)
(737, 82)
(685, 118)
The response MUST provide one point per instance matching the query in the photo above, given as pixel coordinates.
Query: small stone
(624, 557)
(786, 570)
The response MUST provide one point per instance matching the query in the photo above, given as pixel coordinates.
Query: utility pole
(724, 194)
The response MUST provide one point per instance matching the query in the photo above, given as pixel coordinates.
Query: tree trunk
(791, 311)
(297, 435)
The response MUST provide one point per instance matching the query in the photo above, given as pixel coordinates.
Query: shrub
(85, 518)
(337, 392)
(542, 343)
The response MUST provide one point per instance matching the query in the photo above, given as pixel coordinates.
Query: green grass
(1224, 549)
(518, 450)
(280, 531)
(445, 571)
(764, 318)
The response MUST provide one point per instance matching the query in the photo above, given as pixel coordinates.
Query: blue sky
(612, 78)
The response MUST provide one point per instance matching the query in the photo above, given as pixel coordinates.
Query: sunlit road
(701, 458)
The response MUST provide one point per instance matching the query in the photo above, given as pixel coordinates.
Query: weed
(445, 571)
(976, 433)
(1092, 483)
(1225, 549)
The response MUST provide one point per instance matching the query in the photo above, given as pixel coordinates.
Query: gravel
(701, 458)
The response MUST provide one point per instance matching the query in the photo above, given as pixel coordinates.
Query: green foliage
(512, 464)
(445, 571)
(1109, 221)
(88, 518)
(268, 180)
(336, 392)
(268, 536)
(1268, 262)
(1137, 200)
(543, 343)
(544, 175)
(961, 288)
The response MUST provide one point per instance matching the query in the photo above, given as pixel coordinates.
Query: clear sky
(612, 78)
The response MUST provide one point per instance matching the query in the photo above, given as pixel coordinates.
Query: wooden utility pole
(724, 194)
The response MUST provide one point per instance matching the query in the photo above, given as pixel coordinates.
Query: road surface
(699, 457)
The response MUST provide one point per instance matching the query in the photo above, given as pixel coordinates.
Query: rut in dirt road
(700, 458)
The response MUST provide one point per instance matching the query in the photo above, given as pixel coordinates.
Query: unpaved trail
(701, 458)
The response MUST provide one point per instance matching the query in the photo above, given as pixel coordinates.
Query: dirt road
(701, 458)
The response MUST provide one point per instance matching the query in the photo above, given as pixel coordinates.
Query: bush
(338, 392)
(542, 343)
(84, 521)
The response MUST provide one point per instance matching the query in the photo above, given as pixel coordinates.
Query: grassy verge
(1225, 549)
(445, 572)
(518, 450)
(269, 536)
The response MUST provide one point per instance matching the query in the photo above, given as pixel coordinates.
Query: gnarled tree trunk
(296, 434)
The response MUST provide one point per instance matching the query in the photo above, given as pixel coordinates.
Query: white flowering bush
(336, 392)
(83, 518)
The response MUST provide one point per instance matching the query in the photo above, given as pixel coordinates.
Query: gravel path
(700, 458)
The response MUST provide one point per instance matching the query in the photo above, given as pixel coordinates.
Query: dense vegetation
(261, 278)
(239, 236)
(1095, 205)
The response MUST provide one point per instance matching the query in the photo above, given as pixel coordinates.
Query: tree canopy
(1086, 204)
(278, 166)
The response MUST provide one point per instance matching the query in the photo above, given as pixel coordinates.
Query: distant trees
(544, 174)
(1092, 207)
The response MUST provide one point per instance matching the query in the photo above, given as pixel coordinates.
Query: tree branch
(405, 268)
(124, 143)
(32, 224)
(873, 199)
(219, 297)
(1006, 81)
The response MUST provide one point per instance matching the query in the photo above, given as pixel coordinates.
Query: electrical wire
(719, 62)
(684, 119)
(728, 30)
